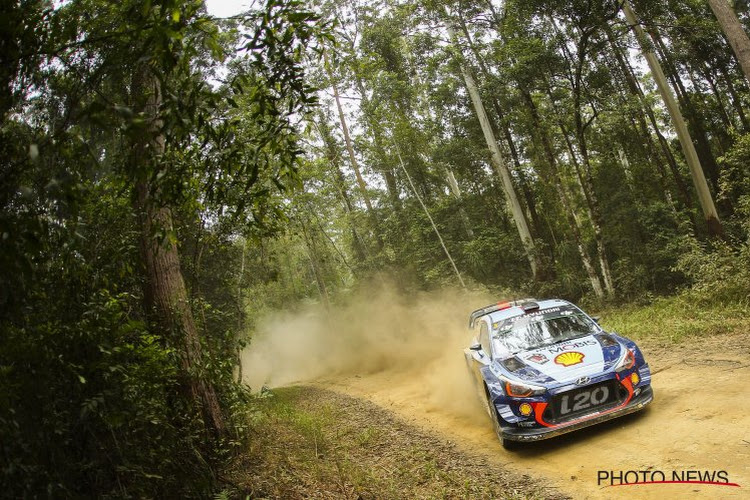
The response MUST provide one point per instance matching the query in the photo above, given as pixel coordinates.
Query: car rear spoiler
(498, 306)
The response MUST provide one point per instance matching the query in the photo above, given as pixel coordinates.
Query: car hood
(565, 361)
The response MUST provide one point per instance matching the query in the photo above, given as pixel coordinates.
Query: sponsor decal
(569, 358)
(573, 345)
(583, 380)
(525, 409)
(633, 477)
(538, 358)
(535, 314)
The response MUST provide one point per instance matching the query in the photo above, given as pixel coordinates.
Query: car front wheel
(508, 444)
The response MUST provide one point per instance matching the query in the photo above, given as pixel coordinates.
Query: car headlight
(519, 390)
(627, 361)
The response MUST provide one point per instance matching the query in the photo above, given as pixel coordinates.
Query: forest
(168, 177)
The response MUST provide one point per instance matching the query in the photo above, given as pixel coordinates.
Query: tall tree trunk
(453, 184)
(735, 33)
(339, 181)
(505, 128)
(637, 91)
(592, 203)
(388, 175)
(568, 209)
(736, 102)
(347, 139)
(698, 131)
(164, 288)
(699, 179)
(352, 157)
(432, 222)
(367, 109)
(519, 217)
(586, 185)
(705, 72)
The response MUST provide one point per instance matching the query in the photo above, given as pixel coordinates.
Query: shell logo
(569, 358)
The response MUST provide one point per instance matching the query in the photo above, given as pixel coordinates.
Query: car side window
(484, 338)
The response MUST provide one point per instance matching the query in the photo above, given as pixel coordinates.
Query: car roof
(513, 311)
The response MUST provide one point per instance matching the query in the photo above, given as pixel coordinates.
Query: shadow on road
(539, 448)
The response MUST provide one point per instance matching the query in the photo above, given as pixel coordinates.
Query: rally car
(545, 368)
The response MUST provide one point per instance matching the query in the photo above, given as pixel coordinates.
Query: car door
(481, 357)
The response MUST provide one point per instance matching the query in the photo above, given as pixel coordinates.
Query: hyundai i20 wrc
(545, 368)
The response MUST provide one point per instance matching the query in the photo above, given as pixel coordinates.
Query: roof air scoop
(529, 307)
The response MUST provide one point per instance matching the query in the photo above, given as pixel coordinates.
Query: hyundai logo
(583, 381)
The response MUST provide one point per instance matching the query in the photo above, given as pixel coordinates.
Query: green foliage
(719, 271)
(93, 394)
(88, 392)
(734, 185)
(669, 320)
(569, 107)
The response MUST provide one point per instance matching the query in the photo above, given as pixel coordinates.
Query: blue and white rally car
(545, 368)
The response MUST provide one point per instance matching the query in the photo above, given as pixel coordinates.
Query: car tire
(510, 445)
(492, 412)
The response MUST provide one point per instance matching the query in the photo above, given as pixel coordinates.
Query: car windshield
(542, 328)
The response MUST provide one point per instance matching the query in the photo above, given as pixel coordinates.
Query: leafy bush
(91, 403)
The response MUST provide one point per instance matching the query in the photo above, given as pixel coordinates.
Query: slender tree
(456, 190)
(499, 165)
(734, 32)
(333, 157)
(696, 171)
(432, 222)
(347, 138)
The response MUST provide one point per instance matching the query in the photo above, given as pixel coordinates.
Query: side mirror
(476, 347)
(596, 319)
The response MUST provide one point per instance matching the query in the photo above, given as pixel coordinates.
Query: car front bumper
(645, 396)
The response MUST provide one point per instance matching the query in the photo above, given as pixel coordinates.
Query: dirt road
(699, 420)
(407, 357)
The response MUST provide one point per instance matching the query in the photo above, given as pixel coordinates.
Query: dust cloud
(380, 336)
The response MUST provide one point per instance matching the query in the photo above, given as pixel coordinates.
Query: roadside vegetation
(312, 443)
(675, 319)
(717, 301)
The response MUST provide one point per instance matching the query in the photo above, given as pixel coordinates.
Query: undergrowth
(316, 444)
